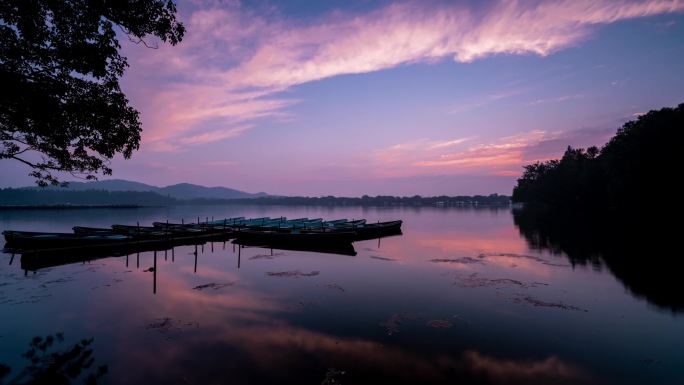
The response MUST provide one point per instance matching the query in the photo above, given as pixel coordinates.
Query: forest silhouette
(639, 166)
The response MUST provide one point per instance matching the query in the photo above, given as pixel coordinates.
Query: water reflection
(641, 254)
(49, 365)
(460, 297)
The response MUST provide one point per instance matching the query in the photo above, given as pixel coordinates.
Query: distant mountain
(108, 185)
(179, 191)
(191, 191)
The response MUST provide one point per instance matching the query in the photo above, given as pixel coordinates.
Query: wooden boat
(25, 240)
(227, 222)
(151, 230)
(91, 230)
(373, 230)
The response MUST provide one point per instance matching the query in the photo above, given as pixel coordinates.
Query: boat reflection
(335, 248)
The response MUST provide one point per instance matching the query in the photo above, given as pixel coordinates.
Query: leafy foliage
(638, 166)
(47, 365)
(61, 106)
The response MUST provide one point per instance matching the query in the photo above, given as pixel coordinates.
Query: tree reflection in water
(47, 365)
(641, 252)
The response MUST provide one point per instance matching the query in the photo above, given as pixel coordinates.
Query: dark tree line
(47, 197)
(639, 166)
(382, 200)
(40, 197)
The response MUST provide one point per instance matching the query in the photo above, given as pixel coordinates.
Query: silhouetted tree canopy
(639, 166)
(61, 107)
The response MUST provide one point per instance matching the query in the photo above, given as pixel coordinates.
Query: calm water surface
(460, 297)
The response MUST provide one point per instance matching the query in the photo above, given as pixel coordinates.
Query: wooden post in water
(195, 262)
(137, 261)
(154, 274)
(239, 254)
(126, 260)
(165, 255)
(173, 254)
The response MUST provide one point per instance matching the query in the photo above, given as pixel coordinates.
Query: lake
(463, 296)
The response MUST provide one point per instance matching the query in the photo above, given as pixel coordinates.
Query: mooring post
(137, 261)
(154, 274)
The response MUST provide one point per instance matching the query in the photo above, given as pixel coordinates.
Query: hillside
(178, 191)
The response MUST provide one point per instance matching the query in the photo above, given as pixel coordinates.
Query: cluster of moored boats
(255, 231)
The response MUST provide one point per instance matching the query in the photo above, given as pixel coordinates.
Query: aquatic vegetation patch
(213, 285)
(475, 280)
(393, 324)
(381, 258)
(462, 260)
(335, 286)
(439, 324)
(292, 273)
(171, 327)
(539, 303)
(266, 256)
(523, 256)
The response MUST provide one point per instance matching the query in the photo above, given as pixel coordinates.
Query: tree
(638, 167)
(61, 107)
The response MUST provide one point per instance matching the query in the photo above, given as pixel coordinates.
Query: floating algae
(439, 324)
(462, 260)
(213, 285)
(539, 303)
(335, 286)
(381, 258)
(523, 256)
(393, 323)
(293, 273)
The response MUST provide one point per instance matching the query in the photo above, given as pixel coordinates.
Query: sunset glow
(380, 97)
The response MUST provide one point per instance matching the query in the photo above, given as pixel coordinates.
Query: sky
(400, 98)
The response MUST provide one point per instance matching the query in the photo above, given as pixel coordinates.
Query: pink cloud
(502, 157)
(234, 63)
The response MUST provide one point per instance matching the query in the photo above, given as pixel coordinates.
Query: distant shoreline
(249, 203)
(61, 207)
